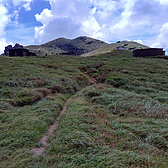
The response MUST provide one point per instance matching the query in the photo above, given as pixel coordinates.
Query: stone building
(9, 47)
(20, 52)
(148, 52)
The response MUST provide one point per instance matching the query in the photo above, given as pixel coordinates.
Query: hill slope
(79, 45)
(117, 115)
(128, 45)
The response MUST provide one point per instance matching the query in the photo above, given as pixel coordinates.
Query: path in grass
(44, 140)
(92, 80)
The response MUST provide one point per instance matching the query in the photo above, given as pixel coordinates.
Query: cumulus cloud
(65, 19)
(108, 20)
(86, 17)
(4, 19)
(22, 3)
(161, 40)
(96, 18)
(3, 22)
(45, 17)
(139, 41)
(163, 2)
(10, 17)
(53, 29)
(3, 44)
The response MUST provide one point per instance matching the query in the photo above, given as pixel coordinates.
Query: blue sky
(38, 21)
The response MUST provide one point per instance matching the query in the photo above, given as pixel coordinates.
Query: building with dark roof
(148, 52)
(20, 52)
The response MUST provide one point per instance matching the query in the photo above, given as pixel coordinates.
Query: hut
(148, 52)
(20, 52)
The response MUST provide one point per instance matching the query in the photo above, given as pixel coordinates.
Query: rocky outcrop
(9, 47)
(17, 46)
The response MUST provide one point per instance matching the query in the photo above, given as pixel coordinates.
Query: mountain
(78, 46)
(82, 45)
(128, 45)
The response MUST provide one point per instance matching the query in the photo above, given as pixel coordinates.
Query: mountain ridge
(127, 45)
(79, 46)
(83, 45)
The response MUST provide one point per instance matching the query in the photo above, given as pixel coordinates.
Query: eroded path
(92, 80)
(44, 140)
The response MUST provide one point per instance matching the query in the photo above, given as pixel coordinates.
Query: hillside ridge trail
(92, 80)
(44, 140)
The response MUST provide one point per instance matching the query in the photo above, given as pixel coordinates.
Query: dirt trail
(44, 140)
(92, 80)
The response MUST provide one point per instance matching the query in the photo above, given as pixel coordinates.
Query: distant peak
(60, 38)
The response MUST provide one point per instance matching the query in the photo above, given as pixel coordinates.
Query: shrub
(28, 96)
(89, 92)
(57, 88)
(117, 81)
(22, 101)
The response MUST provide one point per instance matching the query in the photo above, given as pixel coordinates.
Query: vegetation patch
(119, 122)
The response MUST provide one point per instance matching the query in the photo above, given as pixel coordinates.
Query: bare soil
(92, 80)
(44, 140)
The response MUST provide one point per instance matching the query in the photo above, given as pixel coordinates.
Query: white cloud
(105, 8)
(27, 6)
(161, 40)
(139, 41)
(52, 30)
(108, 20)
(163, 2)
(122, 23)
(65, 19)
(3, 44)
(6, 17)
(3, 22)
(90, 26)
(22, 3)
(45, 17)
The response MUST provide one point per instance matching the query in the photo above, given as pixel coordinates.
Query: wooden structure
(148, 52)
(20, 52)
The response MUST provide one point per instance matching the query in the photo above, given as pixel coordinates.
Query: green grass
(119, 123)
(79, 45)
(144, 76)
(89, 135)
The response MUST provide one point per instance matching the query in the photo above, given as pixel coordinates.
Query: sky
(29, 22)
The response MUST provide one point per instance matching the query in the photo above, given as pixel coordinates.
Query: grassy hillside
(79, 45)
(83, 45)
(119, 120)
(128, 45)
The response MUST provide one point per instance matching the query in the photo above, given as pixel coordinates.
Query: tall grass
(121, 122)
